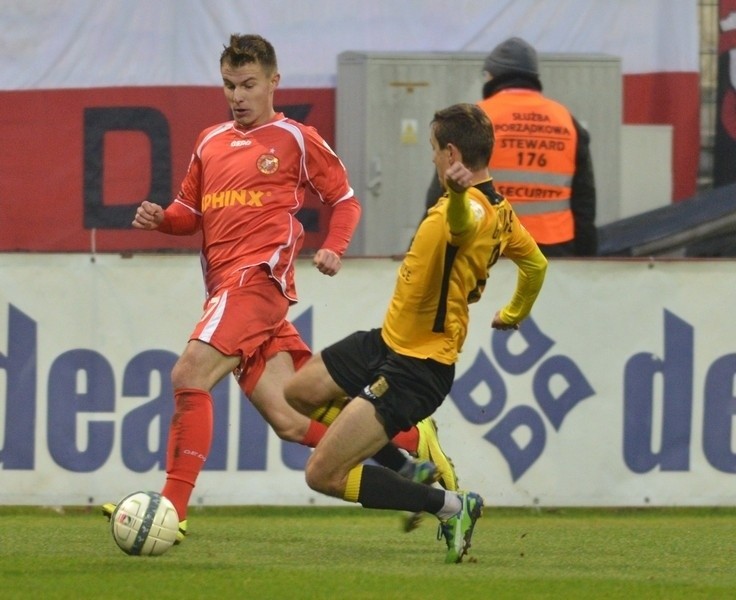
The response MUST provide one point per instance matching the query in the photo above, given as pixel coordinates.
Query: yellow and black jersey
(442, 273)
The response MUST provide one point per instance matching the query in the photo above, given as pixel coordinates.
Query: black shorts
(403, 389)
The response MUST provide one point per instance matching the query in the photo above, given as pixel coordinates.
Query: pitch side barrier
(618, 390)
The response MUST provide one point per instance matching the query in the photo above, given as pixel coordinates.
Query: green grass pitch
(352, 553)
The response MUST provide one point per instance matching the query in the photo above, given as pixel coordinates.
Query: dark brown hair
(468, 128)
(247, 49)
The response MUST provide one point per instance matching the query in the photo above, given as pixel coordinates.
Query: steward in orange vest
(541, 159)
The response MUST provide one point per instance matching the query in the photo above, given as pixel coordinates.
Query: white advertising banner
(86, 43)
(619, 390)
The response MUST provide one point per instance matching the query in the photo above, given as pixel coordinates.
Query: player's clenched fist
(148, 215)
(327, 262)
(458, 177)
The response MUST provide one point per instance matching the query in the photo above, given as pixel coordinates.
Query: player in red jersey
(245, 183)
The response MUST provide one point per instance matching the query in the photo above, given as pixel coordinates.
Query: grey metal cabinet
(385, 102)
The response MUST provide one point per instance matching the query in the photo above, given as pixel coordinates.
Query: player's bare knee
(305, 389)
(322, 479)
(315, 478)
(179, 376)
(296, 398)
(289, 432)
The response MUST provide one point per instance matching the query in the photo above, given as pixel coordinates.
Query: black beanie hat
(512, 56)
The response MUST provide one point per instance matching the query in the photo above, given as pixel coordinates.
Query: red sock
(407, 440)
(314, 434)
(190, 437)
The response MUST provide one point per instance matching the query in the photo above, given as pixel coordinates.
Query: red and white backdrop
(101, 101)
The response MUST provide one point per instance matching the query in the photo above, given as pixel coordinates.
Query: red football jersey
(246, 186)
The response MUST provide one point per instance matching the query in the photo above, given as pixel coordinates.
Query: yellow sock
(352, 489)
(328, 413)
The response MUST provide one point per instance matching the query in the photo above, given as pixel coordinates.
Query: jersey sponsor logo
(232, 198)
(267, 164)
(236, 143)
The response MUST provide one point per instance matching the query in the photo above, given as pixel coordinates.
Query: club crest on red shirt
(267, 164)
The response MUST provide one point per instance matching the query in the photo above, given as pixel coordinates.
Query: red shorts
(247, 318)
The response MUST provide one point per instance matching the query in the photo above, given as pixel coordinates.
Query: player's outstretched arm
(531, 271)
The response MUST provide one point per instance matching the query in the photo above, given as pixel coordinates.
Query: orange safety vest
(533, 160)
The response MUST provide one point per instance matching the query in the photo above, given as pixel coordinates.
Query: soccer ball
(144, 524)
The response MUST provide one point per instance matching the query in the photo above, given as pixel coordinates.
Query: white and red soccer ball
(144, 524)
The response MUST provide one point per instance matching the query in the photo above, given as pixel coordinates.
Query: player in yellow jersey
(399, 374)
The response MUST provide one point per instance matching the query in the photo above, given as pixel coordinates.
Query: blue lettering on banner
(718, 412)
(80, 382)
(82, 394)
(521, 421)
(20, 365)
(89, 410)
(676, 372)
